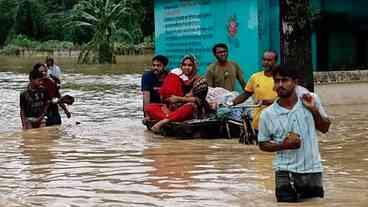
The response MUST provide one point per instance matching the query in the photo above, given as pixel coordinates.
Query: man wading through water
(288, 127)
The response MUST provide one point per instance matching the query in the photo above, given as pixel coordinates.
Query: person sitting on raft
(181, 100)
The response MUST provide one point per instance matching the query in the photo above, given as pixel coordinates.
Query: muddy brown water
(111, 160)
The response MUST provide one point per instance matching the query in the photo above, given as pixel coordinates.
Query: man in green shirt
(224, 73)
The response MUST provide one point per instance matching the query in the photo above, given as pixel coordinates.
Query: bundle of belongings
(222, 99)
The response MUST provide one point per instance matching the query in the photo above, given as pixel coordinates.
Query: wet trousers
(159, 112)
(291, 187)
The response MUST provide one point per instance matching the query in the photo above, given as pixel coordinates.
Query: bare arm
(146, 98)
(25, 122)
(291, 141)
(322, 123)
(65, 109)
(209, 78)
(242, 97)
(239, 76)
(23, 118)
(184, 99)
(270, 146)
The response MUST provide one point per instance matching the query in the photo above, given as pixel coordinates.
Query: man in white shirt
(53, 70)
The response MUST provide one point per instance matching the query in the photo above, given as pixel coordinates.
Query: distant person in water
(34, 102)
(153, 79)
(53, 70)
(53, 115)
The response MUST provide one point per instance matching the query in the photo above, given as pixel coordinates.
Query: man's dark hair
(286, 70)
(50, 59)
(35, 74)
(37, 66)
(162, 59)
(221, 45)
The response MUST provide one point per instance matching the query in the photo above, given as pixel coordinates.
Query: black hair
(37, 66)
(162, 59)
(35, 74)
(286, 70)
(50, 59)
(222, 45)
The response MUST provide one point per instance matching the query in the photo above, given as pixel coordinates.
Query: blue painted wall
(269, 26)
(194, 26)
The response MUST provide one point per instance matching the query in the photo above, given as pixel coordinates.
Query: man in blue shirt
(152, 80)
(288, 127)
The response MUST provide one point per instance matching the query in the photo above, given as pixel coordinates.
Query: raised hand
(309, 101)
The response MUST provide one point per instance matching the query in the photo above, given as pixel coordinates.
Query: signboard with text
(194, 26)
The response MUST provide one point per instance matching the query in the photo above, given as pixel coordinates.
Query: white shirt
(276, 122)
(54, 71)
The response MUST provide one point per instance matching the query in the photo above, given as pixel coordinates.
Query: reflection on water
(111, 160)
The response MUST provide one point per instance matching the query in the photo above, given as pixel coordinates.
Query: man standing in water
(223, 73)
(34, 102)
(288, 127)
(262, 86)
(152, 80)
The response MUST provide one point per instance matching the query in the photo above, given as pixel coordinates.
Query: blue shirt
(276, 122)
(151, 83)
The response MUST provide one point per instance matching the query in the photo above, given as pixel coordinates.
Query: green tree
(7, 18)
(101, 17)
(95, 20)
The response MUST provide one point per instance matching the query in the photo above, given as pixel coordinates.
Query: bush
(22, 41)
(10, 50)
(54, 45)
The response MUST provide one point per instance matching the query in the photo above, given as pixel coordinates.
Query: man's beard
(284, 93)
(157, 72)
(221, 59)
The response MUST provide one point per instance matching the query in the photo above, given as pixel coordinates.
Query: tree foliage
(43, 20)
(102, 17)
(296, 27)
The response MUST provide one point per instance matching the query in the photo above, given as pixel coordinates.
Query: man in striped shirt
(288, 127)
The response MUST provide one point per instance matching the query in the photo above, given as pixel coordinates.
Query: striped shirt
(276, 122)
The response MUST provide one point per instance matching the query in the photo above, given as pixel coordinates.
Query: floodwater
(110, 159)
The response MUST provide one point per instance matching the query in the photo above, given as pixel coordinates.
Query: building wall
(269, 26)
(194, 26)
(341, 39)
